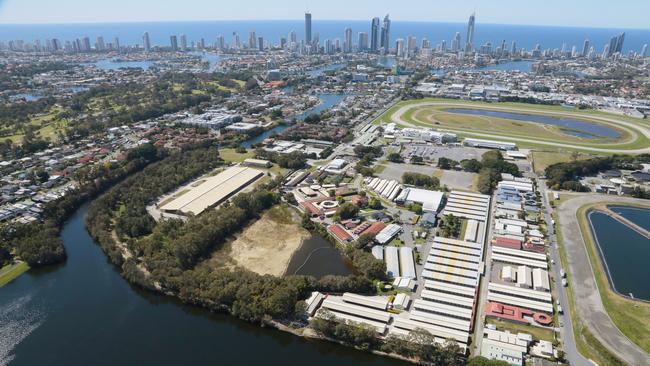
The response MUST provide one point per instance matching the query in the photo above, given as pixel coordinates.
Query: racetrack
(635, 138)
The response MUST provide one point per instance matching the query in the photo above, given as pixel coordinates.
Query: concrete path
(587, 298)
(632, 128)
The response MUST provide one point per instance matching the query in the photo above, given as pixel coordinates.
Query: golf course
(530, 126)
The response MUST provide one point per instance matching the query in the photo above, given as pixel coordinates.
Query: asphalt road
(587, 298)
(566, 328)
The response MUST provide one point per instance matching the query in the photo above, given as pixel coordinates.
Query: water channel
(624, 251)
(84, 313)
(568, 126)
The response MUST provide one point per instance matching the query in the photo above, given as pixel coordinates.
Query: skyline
(580, 13)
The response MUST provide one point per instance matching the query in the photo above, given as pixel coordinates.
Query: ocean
(131, 33)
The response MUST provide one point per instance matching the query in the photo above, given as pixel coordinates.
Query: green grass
(230, 155)
(470, 126)
(586, 343)
(10, 272)
(543, 159)
(536, 332)
(281, 214)
(379, 168)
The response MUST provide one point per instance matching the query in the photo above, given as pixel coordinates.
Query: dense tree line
(419, 345)
(567, 175)
(171, 255)
(421, 180)
(39, 243)
(491, 167)
(450, 226)
(293, 160)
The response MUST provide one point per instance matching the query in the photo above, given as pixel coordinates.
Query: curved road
(587, 298)
(632, 128)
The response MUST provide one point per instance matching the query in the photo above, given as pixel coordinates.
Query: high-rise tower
(374, 34)
(469, 46)
(308, 28)
(146, 42)
(385, 34)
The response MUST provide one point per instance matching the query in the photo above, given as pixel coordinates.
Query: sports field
(631, 135)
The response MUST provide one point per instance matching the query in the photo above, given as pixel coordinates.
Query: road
(632, 128)
(566, 328)
(589, 305)
(481, 300)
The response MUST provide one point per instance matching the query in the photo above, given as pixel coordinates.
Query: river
(84, 313)
(624, 251)
(326, 101)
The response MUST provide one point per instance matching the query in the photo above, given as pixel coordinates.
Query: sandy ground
(266, 247)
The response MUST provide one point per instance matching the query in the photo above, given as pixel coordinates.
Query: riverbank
(10, 272)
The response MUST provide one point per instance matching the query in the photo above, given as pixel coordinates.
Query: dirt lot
(266, 246)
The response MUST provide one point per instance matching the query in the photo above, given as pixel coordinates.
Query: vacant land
(10, 272)
(233, 156)
(544, 159)
(265, 247)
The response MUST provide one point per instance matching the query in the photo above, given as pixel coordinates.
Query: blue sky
(580, 13)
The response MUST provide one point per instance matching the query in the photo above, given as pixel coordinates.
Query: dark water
(568, 126)
(317, 257)
(639, 216)
(131, 33)
(327, 101)
(84, 313)
(626, 253)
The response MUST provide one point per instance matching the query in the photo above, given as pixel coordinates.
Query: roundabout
(530, 126)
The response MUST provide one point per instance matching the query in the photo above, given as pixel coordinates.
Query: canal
(624, 251)
(84, 313)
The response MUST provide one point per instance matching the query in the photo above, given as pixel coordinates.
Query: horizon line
(317, 20)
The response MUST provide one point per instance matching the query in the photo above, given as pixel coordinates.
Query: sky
(578, 13)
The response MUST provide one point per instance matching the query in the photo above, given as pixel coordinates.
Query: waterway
(624, 251)
(321, 70)
(109, 64)
(327, 101)
(317, 257)
(568, 126)
(84, 313)
(639, 216)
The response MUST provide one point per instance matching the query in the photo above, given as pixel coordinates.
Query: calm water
(319, 71)
(327, 101)
(109, 64)
(317, 257)
(84, 313)
(639, 216)
(131, 33)
(568, 126)
(626, 253)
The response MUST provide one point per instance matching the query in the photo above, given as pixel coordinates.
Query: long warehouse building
(211, 191)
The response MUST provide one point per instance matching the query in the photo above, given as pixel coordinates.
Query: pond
(317, 257)
(624, 252)
(568, 126)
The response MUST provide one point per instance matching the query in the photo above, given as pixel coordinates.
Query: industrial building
(490, 144)
(430, 200)
(209, 192)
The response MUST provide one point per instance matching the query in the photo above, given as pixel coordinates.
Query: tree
(347, 211)
(416, 159)
(482, 361)
(395, 158)
(446, 163)
(364, 240)
(421, 180)
(471, 165)
(375, 204)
